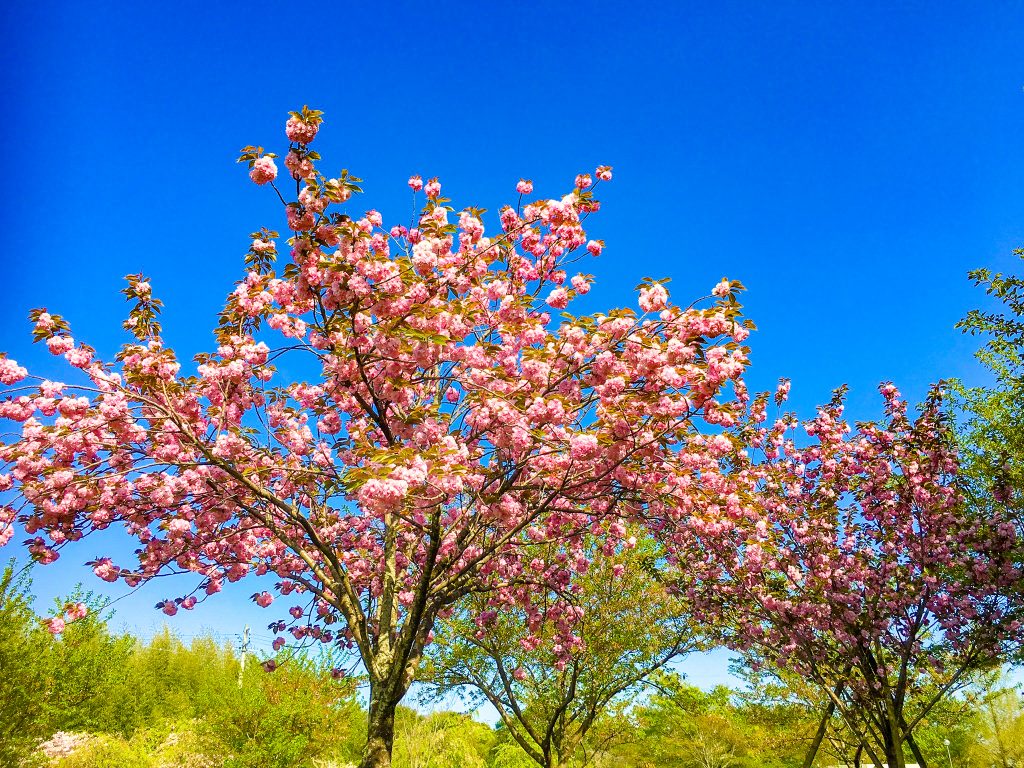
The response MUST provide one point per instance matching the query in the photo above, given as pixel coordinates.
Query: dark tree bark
(380, 734)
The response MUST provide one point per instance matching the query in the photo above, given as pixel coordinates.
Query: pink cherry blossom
(851, 559)
(10, 371)
(653, 298)
(58, 345)
(299, 131)
(106, 570)
(580, 284)
(300, 167)
(558, 298)
(263, 170)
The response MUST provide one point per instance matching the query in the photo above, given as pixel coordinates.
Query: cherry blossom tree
(855, 563)
(438, 425)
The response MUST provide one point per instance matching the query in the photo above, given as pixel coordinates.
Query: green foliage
(162, 703)
(439, 740)
(993, 431)
(168, 680)
(508, 754)
(1000, 729)
(167, 704)
(181, 744)
(289, 718)
(22, 667)
(789, 709)
(105, 752)
(87, 665)
(682, 726)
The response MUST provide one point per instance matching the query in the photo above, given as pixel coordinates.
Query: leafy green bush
(24, 658)
(289, 718)
(439, 740)
(86, 666)
(167, 680)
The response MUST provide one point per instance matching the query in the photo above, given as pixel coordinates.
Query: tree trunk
(894, 756)
(856, 756)
(916, 751)
(380, 732)
(553, 757)
(819, 736)
(892, 736)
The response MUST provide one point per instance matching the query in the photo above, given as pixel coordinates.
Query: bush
(86, 668)
(168, 680)
(24, 661)
(289, 718)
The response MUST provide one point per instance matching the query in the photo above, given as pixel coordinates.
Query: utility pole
(245, 651)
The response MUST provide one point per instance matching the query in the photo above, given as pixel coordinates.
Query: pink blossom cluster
(72, 612)
(300, 131)
(264, 170)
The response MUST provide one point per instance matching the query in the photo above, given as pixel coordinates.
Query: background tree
(681, 726)
(1002, 719)
(992, 434)
(796, 708)
(168, 679)
(449, 426)
(613, 728)
(288, 719)
(169, 703)
(627, 626)
(52, 681)
(857, 563)
(796, 713)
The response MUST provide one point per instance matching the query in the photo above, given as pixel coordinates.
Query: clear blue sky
(849, 162)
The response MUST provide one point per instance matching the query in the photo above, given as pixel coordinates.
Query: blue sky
(849, 162)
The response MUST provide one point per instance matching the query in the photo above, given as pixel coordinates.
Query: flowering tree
(627, 626)
(855, 563)
(449, 426)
